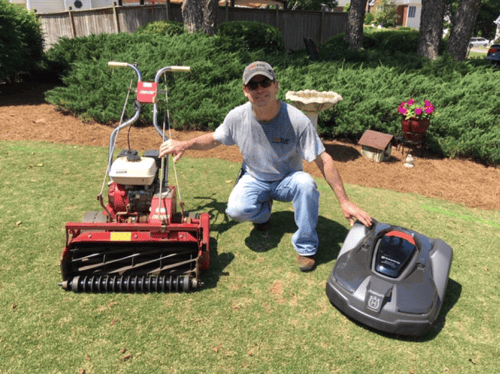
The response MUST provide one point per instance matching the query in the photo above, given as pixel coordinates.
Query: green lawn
(256, 312)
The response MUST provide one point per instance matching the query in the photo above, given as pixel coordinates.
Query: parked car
(478, 42)
(494, 54)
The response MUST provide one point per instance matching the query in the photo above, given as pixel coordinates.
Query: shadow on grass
(218, 262)
(330, 233)
(331, 236)
(216, 209)
(453, 292)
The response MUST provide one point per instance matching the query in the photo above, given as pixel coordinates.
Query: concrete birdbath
(313, 102)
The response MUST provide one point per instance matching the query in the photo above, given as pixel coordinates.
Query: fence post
(277, 17)
(72, 21)
(167, 7)
(227, 11)
(115, 18)
(321, 23)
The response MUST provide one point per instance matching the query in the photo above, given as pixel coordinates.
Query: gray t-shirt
(271, 150)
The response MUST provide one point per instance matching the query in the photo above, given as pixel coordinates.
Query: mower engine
(138, 242)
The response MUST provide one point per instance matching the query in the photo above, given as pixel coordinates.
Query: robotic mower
(390, 278)
(138, 242)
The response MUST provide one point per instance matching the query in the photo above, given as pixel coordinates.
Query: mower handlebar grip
(115, 64)
(180, 69)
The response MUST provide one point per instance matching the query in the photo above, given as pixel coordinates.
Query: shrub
(386, 13)
(162, 28)
(372, 82)
(200, 99)
(392, 41)
(255, 35)
(20, 40)
(369, 18)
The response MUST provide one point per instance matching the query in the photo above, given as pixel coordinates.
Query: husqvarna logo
(374, 302)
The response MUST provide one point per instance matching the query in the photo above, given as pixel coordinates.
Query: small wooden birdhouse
(376, 146)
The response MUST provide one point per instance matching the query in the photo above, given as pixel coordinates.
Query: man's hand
(172, 147)
(352, 212)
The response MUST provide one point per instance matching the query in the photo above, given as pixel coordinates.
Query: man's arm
(177, 148)
(332, 176)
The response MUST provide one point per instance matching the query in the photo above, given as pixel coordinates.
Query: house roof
(375, 139)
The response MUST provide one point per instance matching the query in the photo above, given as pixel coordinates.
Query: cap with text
(258, 68)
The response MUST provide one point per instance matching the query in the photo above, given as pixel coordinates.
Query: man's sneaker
(262, 226)
(306, 263)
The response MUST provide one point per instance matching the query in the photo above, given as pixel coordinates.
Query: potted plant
(416, 118)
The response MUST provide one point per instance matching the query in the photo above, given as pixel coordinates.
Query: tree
(488, 13)
(386, 13)
(200, 15)
(463, 24)
(355, 20)
(431, 28)
(21, 45)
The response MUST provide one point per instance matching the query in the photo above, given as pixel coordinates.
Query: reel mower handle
(115, 64)
(166, 69)
(180, 69)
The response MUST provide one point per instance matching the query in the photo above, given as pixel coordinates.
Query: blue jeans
(250, 200)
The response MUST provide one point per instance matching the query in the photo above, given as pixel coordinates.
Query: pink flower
(418, 111)
(427, 103)
(402, 110)
(411, 101)
(429, 109)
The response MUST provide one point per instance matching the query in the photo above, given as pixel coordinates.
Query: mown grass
(256, 312)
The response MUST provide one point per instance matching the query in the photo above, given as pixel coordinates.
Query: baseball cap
(258, 68)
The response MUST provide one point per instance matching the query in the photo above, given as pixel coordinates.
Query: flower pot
(415, 128)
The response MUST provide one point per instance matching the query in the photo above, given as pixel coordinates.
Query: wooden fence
(295, 25)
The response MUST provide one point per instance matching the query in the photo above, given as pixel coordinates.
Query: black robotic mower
(390, 278)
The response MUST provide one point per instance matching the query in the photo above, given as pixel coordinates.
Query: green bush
(373, 82)
(200, 99)
(369, 18)
(162, 28)
(255, 35)
(20, 41)
(385, 13)
(390, 42)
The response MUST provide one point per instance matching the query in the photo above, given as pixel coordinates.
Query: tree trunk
(210, 16)
(463, 24)
(431, 28)
(200, 15)
(355, 20)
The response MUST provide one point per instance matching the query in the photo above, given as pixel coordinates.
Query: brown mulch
(25, 116)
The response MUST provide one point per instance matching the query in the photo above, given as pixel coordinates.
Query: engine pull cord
(99, 197)
(181, 203)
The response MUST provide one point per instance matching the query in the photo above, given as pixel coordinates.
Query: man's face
(261, 91)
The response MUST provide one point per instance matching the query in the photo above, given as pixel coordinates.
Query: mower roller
(138, 242)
